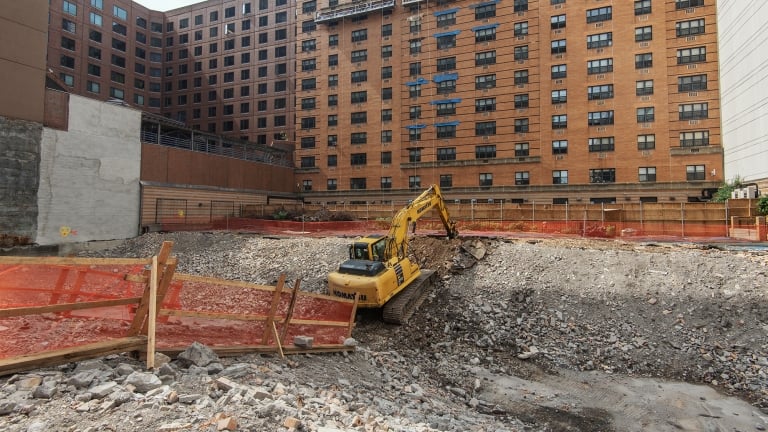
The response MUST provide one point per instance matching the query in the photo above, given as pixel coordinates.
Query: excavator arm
(397, 239)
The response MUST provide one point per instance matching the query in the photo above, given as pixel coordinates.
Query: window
(359, 97)
(599, 14)
(116, 93)
(333, 80)
(600, 92)
(693, 111)
(386, 136)
(331, 184)
(645, 115)
(446, 153)
(692, 83)
(560, 147)
(414, 24)
(602, 175)
(333, 40)
(70, 26)
(414, 112)
(559, 71)
(359, 138)
(446, 86)
(446, 131)
(414, 134)
(521, 77)
(646, 174)
(360, 117)
(357, 183)
(598, 118)
(685, 4)
(602, 144)
(599, 40)
(308, 84)
(359, 35)
(308, 65)
(67, 61)
(446, 41)
(558, 46)
(644, 88)
(414, 46)
(521, 52)
(484, 11)
(689, 28)
(333, 100)
(308, 26)
(333, 140)
(486, 179)
(443, 64)
(281, 17)
(600, 66)
(522, 178)
(643, 61)
(98, 4)
(118, 44)
(485, 58)
(307, 161)
(485, 128)
(359, 76)
(484, 105)
(245, 25)
(646, 142)
(280, 68)
(229, 12)
(414, 182)
(691, 55)
(695, 172)
(642, 7)
(386, 115)
(310, 45)
(386, 72)
(69, 44)
(414, 155)
(446, 181)
(559, 96)
(522, 149)
(308, 123)
(69, 8)
(643, 34)
(281, 51)
(96, 19)
(386, 93)
(521, 101)
(263, 21)
(560, 177)
(694, 139)
(485, 81)
(557, 22)
(67, 79)
(117, 77)
(521, 28)
(521, 5)
(485, 152)
(448, 19)
(386, 30)
(359, 56)
(386, 51)
(414, 90)
(198, 20)
(93, 87)
(559, 121)
(121, 13)
(123, 30)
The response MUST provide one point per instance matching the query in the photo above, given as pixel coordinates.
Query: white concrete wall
(89, 175)
(744, 88)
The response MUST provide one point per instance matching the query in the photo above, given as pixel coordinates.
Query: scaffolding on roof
(351, 9)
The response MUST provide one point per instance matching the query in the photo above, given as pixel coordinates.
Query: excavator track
(401, 307)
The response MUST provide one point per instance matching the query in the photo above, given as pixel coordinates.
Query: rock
(83, 379)
(237, 370)
(161, 359)
(303, 341)
(124, 369)
(7, 407)
(197, 354)
(38, 426)
(350, 342)
(532, 351)
(143, 381)
(173, 427)
(102, 390)
(292, 423)
(45, 391)
(29, 383)
(652, 301)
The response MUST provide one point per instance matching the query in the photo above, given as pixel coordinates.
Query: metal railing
(351, 9)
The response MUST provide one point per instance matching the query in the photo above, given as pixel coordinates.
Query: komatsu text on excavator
(379, 269)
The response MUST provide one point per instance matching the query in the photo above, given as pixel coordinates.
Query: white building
(744, 90)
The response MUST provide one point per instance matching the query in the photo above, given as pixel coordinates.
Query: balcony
(341, 11)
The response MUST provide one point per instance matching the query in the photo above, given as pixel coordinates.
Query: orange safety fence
(59, 309)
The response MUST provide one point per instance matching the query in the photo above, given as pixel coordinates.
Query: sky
(165, 5)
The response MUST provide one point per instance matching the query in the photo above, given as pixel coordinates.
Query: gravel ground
(539, 335)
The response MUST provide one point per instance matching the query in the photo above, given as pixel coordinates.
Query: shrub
(762, 206)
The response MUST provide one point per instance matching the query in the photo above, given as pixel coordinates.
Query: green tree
(724, 192)
(762, 206)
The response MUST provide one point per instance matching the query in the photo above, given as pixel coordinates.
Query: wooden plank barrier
(143, 306)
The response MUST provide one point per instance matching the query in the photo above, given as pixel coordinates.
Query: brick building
(548, 101)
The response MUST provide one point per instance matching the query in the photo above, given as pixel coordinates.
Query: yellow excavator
(379, 269)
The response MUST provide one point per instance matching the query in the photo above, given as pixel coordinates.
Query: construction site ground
(521, 333)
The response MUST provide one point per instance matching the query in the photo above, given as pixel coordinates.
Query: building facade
(743, 76)
(521, 100)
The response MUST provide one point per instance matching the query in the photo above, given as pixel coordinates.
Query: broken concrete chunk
(197, 354)
(303, 341)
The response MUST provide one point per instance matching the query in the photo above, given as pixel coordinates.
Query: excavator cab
(370, 248)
